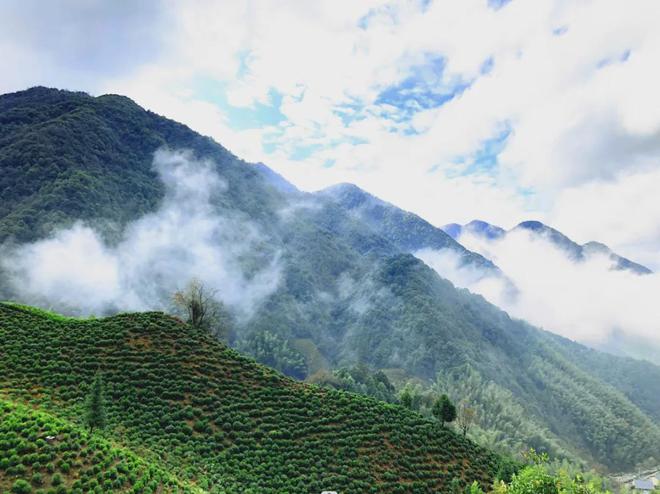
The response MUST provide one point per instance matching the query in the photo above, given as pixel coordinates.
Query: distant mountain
(349, 291)
(477, 227)
(573, 250)
(275, 179)
(621, 263)
(618, 342)
(407, 231)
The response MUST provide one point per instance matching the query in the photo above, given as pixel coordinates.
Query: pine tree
(95, 416)
(444, 410)
(406, 399)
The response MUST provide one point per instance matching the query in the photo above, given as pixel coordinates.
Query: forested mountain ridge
(67, 156)
(348, 291)
(406, 230)
(201, 411)
(573, 250)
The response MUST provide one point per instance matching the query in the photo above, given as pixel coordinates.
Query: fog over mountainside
(110, 207)
(598, 297)
(76, 270)
(573, 250)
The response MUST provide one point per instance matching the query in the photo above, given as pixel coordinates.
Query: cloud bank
(75, 271)
(585, 301)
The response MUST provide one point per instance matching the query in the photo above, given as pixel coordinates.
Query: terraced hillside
(39, 451)
(214, 418)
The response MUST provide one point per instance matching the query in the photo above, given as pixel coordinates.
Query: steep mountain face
(407, 231)
(573, 250)
(348, 291)
(426, 327)
(67, 156)
(204, 413)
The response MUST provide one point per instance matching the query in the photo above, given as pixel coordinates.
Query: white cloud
(624, 214)
(74, 44)
(584, 301)
(159, 253)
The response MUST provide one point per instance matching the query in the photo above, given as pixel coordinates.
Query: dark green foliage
(95, 413)
(274, 351)
(360, 379)
(53, 453)
(406, 399)
(431, 329)
(444, 410)
(66, 156)
(21, 487)
(207, 415)
(503, 423)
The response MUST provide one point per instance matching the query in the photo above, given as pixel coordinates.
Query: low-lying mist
(587, 301)
(75, 271)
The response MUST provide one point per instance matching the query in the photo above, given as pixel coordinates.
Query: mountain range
(348, 289)
(573, 250)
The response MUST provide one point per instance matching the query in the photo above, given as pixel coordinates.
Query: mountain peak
(478, 227)
(453, 230)
(350, 195)
(597, 247)
(620, 263)
(533, 225)
(572, 249)
(482, 227)
(581, 252)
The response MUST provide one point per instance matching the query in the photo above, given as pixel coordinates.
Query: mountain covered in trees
(349, 291)
(407, 231)
(184, 413)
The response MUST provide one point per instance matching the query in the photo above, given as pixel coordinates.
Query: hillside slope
(221, 421)
(46, 452)
(67, 156)
(347, 291)
(426, 327)
(406, 230)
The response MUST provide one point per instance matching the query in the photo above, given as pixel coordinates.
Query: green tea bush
(206, 414)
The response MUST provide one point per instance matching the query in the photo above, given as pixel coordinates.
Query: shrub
(37, 479)
(21, 487)
(57, 479)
